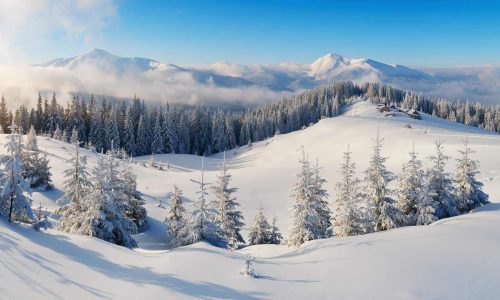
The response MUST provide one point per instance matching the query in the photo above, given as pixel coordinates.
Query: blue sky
(414, 33)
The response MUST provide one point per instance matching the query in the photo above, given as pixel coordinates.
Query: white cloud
(22, 84)
(36, 22)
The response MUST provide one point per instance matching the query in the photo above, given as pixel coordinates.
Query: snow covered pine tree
(35, 166)
(383, 213)
(468, 189)
(347, 215)
(14, 203)
(228, 218)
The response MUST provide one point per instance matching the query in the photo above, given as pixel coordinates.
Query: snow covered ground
(456, 258)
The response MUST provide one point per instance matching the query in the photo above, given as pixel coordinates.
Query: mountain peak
(328, 62)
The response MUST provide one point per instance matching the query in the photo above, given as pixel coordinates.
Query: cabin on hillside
(412, 113)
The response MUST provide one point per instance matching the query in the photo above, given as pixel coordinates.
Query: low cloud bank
(21, 85)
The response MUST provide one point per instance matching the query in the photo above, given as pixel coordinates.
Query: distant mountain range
(119, 76)
(329, 68)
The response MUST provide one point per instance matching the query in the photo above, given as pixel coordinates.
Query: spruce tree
(410, 188)
(275, 236)
(35, 166)
(201, 225)
(101, 214)
(228, 217)
(157, 146)
(469, 193)
(76, 182)
(175, 220)
(348, 212)
(134, 204)
(308, 211)
(440, 186)
(14, 203)
(260, 231)
(383, 213)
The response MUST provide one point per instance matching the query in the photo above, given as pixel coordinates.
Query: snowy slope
(454, 258)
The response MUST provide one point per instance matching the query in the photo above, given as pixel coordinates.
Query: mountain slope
(454, 258)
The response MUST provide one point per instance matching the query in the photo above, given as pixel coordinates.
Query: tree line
(142, 129)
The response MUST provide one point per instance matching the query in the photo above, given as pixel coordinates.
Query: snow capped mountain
(109, 62)
(256, 83)
(336, 67)
(328, 68)
(103, 61)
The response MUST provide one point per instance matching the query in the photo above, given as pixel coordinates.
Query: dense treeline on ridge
(141, 128)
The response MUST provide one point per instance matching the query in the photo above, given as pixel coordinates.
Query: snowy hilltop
(335, 209)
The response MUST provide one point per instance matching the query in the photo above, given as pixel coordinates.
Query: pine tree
(469, 193)
(35, 167)
(439, 185)
(14, 203)
(261, 230)
(175, 216)
(346, 218)
(228, 218)
(410, 188)
(382, 210)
